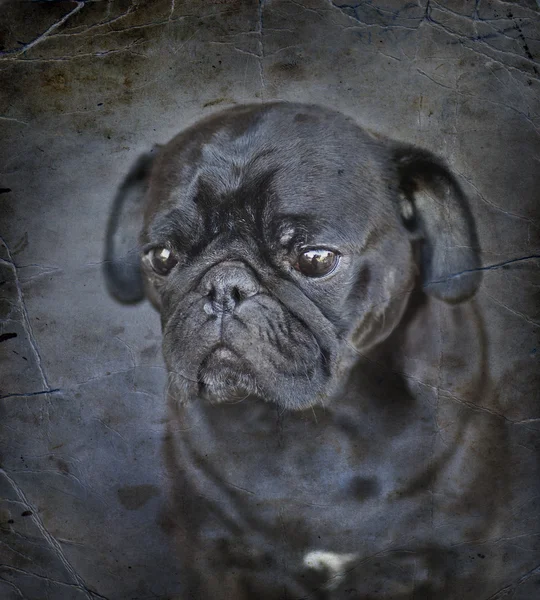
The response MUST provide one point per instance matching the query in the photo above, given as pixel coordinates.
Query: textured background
(87, 86)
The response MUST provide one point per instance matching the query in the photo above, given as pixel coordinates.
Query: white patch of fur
(334, 563)
(406, 208)
(286, 236)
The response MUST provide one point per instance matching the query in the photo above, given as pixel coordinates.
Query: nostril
(237, 295)
(212, 293)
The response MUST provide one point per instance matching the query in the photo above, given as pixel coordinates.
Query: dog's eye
(162, 260)
(317, 262)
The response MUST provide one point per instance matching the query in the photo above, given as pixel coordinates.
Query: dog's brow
(174, 225)
(290, 230)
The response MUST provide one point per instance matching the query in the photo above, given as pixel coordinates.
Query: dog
(329, 431)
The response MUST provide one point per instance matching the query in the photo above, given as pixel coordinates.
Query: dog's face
(279, 241)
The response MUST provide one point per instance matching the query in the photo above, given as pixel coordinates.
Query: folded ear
(122, 268)
(435, 210)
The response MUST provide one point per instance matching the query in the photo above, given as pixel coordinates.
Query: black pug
(329, 431)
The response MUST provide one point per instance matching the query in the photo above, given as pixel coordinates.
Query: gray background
(87, 86)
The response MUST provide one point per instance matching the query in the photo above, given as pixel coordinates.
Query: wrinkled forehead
(288, 174)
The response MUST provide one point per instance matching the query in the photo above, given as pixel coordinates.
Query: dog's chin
(225, 378)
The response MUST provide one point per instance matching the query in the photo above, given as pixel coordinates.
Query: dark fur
(292, 428)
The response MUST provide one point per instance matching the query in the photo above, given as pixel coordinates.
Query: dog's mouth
(223, 376)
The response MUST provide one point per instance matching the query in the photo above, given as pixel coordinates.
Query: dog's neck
(436, 345)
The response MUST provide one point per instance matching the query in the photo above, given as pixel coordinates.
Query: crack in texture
(474, 42)
(29, 394)
(496, 207)
(449, 395)
(14, 120)
(261, 47)
(493, 267)
(512, 587)
(45, 34)
(51, 33)
(49, 538)
(13, 586)
(26, 319)
(456, 91)
(51, 541)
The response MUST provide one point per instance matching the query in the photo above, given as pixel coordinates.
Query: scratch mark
(238, 487)
(12, 585)
(311, 10)
(130, 350)
(515, 312)
(29, 394)
(112, 430)
(512, 586)
(261, 48)
(439, 390)
(72, 31)
(495, 206)
(525, 421)
(53, 543)
(128, 49)
(486, 268)
(26, 320)
(13, 120)
(46, 33)
(49, 580)
(472, 97)
(464, 40)
(15, 551)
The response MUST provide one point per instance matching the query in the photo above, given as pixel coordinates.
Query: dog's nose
(228, 284)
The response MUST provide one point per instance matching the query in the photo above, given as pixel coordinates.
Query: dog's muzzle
(223, 374)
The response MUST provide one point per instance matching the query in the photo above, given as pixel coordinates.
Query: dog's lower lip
(224, 353)
(218, 355)
(223, 376)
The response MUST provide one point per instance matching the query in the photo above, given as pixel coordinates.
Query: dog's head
(280, 240)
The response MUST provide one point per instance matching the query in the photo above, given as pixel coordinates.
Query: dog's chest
(327, 475)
